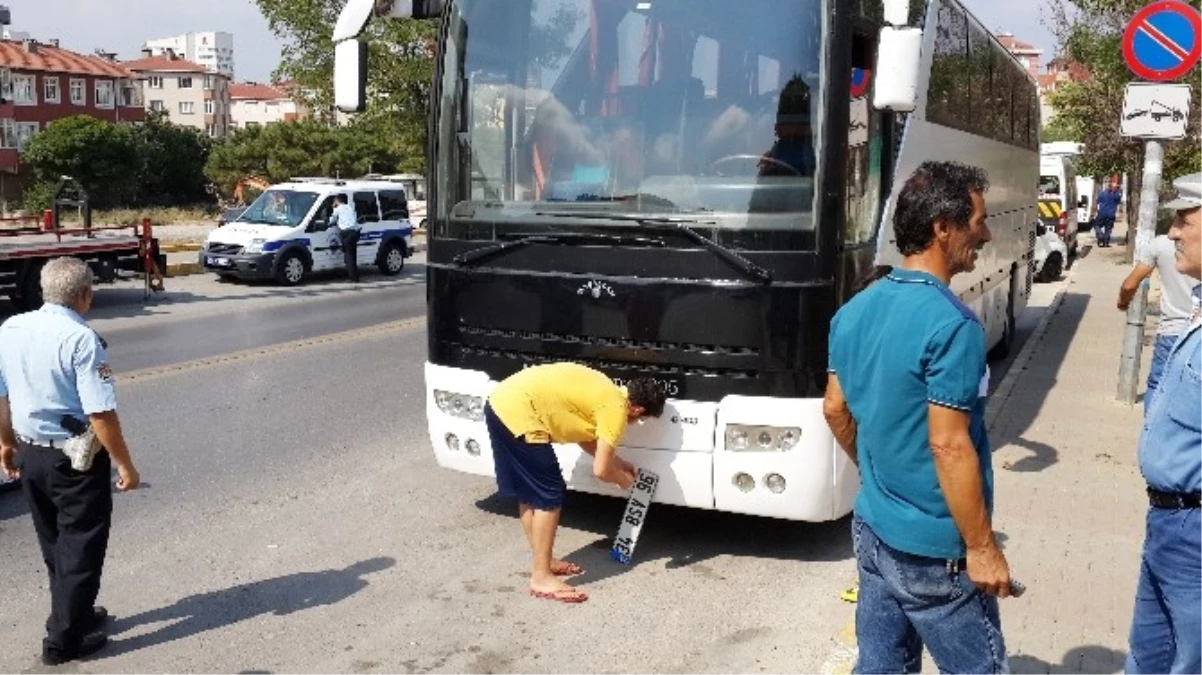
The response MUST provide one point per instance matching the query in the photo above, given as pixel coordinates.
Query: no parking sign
(1162, 41)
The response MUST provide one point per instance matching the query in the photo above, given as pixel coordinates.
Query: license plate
(634, 517)
(219, 262)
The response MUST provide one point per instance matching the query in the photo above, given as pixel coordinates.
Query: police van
(287, 233)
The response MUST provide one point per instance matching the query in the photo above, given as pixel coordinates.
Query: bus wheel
(1002, 349)
(392, 259)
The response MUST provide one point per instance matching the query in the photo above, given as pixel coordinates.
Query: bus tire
(392, 258)
(1002, 349)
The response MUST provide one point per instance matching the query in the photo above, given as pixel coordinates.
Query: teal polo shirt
(905, 342)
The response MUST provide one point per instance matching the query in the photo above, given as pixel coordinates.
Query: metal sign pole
(1137, 312)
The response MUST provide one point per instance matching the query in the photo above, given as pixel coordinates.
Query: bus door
(870, 160)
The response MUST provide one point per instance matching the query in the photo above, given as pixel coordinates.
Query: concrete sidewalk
(1070, 499)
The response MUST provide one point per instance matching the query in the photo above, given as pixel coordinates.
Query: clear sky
(122, 26)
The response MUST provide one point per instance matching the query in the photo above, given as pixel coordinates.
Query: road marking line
(403, 326)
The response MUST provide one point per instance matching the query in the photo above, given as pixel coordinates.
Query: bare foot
(564, 568)
(554, 589)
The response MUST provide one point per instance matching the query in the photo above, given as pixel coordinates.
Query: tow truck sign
(1159, 111)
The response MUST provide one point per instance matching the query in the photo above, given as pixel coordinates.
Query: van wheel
(1053, 267)
(392, 258)
(291, 269)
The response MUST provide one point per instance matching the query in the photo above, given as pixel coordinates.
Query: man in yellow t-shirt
(560, 403)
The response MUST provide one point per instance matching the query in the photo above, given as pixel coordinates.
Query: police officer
(1168, 600)
(52, 365)
(348, 230)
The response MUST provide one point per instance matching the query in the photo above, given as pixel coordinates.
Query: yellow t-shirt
(561, 403)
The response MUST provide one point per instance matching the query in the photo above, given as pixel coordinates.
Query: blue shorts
(527, 472)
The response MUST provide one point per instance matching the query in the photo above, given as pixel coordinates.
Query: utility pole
(1137, 312)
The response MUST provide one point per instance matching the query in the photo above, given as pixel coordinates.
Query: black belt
(1174, 500)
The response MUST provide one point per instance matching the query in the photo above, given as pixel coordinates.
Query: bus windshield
(706, 107)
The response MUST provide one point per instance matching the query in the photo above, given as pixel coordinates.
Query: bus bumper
(810, 480)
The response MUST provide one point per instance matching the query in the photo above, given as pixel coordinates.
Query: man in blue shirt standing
(54, 375)
(1108, 207)
(905, 400)
(1166, 630)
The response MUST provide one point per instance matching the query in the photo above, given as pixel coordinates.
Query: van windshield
(285, 208)
(1049, 185)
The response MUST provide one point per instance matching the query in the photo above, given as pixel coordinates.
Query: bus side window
(864, 150)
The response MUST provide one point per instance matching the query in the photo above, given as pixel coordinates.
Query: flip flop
(569, 596)
(569, 569)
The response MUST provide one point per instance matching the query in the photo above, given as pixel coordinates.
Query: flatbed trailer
(28, 243)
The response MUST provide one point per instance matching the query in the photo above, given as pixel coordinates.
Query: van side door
(324, 242)
(367, 208)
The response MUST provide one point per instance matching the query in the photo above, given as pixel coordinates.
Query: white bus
(688, 190)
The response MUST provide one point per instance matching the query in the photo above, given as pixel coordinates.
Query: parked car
(1050, 253)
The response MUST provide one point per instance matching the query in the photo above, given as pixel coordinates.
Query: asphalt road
(293, 519)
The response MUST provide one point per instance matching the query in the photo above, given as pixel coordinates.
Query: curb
(182, 269)
(178, 248)
(1001, 396)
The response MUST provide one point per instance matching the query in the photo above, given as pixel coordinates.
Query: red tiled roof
(49, 59)
(158, 64)
(256, 92)
(1015, 45)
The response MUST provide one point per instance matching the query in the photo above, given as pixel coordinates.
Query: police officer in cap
(53, 369)
(1168, 601)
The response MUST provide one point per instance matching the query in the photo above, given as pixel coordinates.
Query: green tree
(401, 68)
(173, 162)
(101, 155)
(282, 150)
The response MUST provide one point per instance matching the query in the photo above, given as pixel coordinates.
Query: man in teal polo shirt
(905, 400)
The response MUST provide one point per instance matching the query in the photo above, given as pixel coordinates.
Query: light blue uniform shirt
(1170, 446)
(345, 217)
(901, 344)
(52, 364)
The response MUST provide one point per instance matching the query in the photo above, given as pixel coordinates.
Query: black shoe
(99, 616)
(91, 643)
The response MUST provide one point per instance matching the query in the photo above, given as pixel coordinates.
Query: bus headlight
(742, 438)
(255, 246)
(460, 405)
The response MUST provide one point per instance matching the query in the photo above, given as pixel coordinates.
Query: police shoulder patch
(105, 372)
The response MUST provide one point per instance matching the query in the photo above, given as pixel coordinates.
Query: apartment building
(41, 82)
(254, 105)
(189, 93)
(212, 49)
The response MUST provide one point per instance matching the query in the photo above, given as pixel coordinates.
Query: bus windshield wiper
(681, 225)
(552, 238)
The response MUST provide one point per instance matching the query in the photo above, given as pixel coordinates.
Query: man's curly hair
(645, 393)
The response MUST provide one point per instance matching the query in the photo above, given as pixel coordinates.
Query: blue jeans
(1166, 630)
(907, 601)
(1160, 355)
(1102, 226)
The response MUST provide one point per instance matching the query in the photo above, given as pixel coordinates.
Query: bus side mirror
(350, 75)
(897, 61)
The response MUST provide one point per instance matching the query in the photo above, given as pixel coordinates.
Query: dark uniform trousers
(350, 253)
(72, 512)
